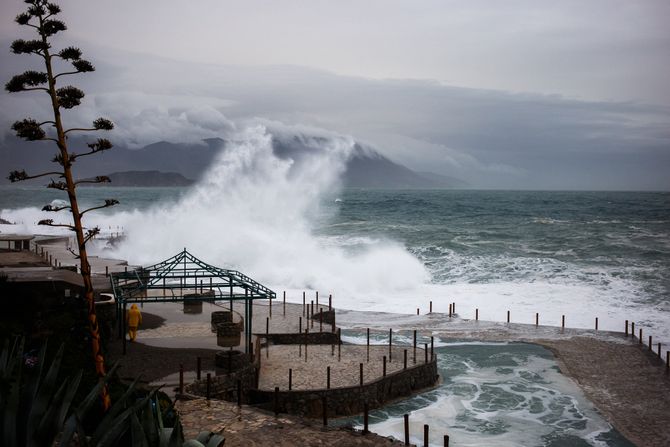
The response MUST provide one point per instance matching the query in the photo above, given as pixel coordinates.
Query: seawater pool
(495, 394)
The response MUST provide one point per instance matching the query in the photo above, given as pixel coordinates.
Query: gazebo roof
(183, 277)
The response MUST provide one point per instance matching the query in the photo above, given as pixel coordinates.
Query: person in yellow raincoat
(134, 319)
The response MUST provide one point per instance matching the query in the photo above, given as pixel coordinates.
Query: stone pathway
(250, 427)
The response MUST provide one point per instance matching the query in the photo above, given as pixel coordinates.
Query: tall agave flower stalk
(41, 16)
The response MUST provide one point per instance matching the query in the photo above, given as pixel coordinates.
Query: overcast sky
(569, 94)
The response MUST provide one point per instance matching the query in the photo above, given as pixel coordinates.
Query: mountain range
(177, 164)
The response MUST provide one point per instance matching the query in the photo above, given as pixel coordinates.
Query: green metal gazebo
(185, 278)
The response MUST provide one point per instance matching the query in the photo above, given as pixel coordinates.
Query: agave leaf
(92, 397)
(10, 416)
(216, 441)
(149, 424)
(71, 425)
(159, 416)
(177, 436)
(119, 405)
(119, 425)
(204, 436)
(43, 397)
(69, 396)
(48, 427)
(137, 436)
(193, 443)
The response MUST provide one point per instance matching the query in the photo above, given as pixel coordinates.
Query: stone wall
(224, 387)
(313, 338)
(349, 400)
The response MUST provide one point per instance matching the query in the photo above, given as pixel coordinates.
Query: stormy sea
(290, 225)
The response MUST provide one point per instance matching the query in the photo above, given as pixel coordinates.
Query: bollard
(311, 314)
(537, 319)
(450, 311)
(330, 303)
(209, 385)
(239, 393)
(425, 435)
(328, 377)
(290, 379)
(417, 311)
(404, 359)
(425, 353)
(562, 321)
(198, 368)
(446, 440)
(276, 401)
(476, 314)
(300, 325)
(303, 303)
(632, 330)
(640, 335)
(659, 351)
(384, 367)
(430, 307)
(106, 270)
(317, 299)
(414, 344)
(181, 378)
(360, 371)
(453, 307)
(431, 347)
(406, 421)
(507, 321)
(596, 323)
(650, 347)
(390, 344)
(324, 406)
(365, 418)
(368, 346)
(284, 302)
(626, 328)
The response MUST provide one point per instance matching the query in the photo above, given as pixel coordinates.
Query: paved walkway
(250, 427)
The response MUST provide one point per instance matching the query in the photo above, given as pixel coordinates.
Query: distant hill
(144, 178)
(173, 164)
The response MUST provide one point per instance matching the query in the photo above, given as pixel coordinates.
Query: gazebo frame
(185, 278)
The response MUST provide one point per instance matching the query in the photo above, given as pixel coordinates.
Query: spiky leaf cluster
(57, 185)
(26, 80)
(28, 129)
(70, 53)
(17, 176)
(51, 27)
(83, 66)
(101, 144)
(103, 124)
(69, 97)
(21, 46)
(45, 222)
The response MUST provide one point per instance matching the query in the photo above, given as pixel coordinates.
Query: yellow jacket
(134, 316)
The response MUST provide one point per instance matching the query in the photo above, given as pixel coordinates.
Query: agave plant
(36, 409)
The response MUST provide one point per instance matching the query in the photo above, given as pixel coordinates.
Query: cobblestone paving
(250, 427)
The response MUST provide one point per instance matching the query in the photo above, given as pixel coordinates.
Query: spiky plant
(41, 16)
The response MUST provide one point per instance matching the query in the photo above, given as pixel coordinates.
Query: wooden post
(300, 325)
(239, 393)
(431, 348)
(209, 385)
(596, 323)
(317, 298)
(339, 344)
(414, 347)
(446, 440)
(198, 368)
(303, 303)
(270, 307)
(384, 367)
(404, 359)
(453, 307)
(330, 302)
(201, 290)
(365, 418)
(106, 270)
(328, 377)
(368, 345)
(284, 302)
(425, 435)
(640, 335)
(311, 314)
(562, 321)
(276, 401)
(632, 330)
(476, 314)
(324, 405)
(449, 310)
(667, 361)
(306, 335)
(537, 319)
(267, 326)
(650, 347)
(360, 371)
(181, 378)
(430, 307)
(659, 351)
(320, 320)
(626, 328)
(290, 379)
(507, 321)
(425, 353)
(417, 311)
(390, 344)
(406, 423)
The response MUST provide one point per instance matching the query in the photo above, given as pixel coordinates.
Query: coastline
(626, 382)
